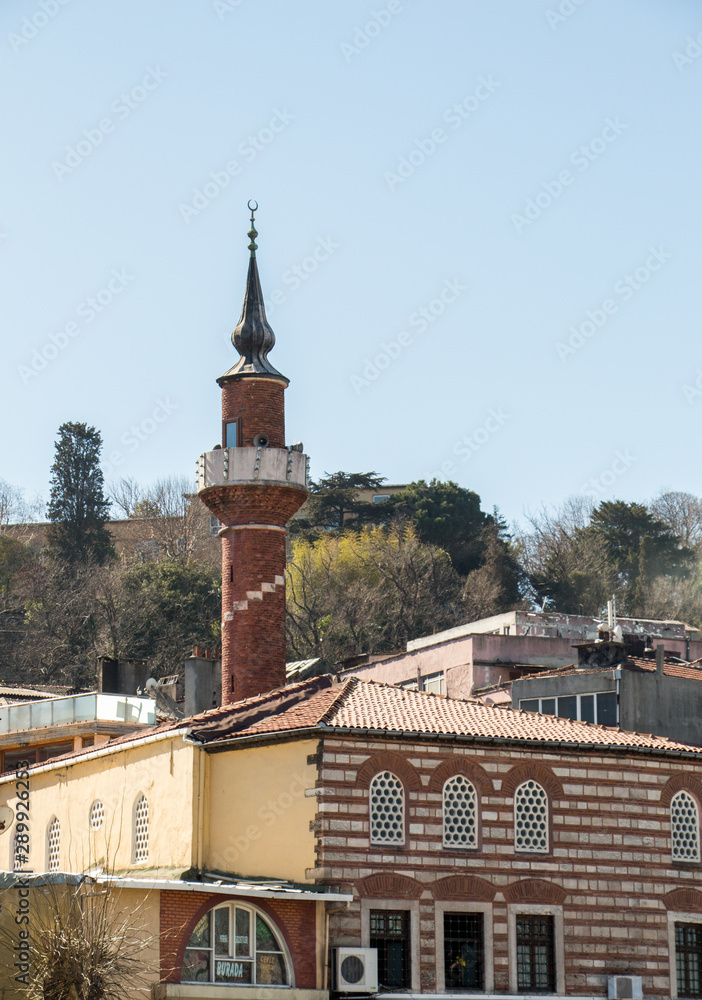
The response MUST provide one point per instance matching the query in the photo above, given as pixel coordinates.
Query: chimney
(660, 658)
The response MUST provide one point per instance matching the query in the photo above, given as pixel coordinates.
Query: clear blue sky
(529, 166)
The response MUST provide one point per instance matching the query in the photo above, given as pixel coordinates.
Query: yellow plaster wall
(258, 815)
(162, 771)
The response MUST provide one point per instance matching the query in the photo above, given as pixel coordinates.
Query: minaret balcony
(225, 466)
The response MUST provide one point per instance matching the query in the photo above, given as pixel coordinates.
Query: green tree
(496, 585)
(367, 591)
(447, 515)
(334, 502)
(160, 610)
(640, 547)
(78, 508)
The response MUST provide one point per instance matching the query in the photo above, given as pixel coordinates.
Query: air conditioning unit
(624, 988)
(356, 970)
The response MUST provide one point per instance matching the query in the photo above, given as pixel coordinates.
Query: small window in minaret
(231, 434)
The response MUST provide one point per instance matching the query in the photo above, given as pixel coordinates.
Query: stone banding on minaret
(253, 484)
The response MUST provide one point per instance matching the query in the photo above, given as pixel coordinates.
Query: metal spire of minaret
(253, 336)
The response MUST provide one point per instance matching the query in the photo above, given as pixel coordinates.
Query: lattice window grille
(141, 829)
(460, 813)
(54, 844)
(685, 827)
(97, 814)
(387, 809)
(530, 817)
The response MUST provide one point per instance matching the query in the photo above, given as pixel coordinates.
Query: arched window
(530, 817)
(53, 845)
(460, 813)
(685, 827)
(387, 809)
(235, 944)
(141, 829)
(97, 814)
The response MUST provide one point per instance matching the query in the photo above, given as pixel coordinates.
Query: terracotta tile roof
(367, 707)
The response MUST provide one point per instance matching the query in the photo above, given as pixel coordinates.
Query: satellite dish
(6, 817)
(152, 686)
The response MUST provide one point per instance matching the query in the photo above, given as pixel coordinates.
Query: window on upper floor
(536, 965)
(530, 817)
(684, 827)
(235, 944)
(460, 813)
(387, 809)
(390, 934)
(599, 707)
(141, 829)
(231, 434)
(433, 683)
(53, 845)
(215, 525)
(97, 814)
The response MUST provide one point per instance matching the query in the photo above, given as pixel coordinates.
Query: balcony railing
(244, 465)
(77, 708)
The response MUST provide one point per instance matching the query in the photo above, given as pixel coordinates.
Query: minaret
(254, 484)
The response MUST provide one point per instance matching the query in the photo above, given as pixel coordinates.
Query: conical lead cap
(253, 336)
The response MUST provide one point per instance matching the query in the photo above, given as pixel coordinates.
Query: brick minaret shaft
(254, 485)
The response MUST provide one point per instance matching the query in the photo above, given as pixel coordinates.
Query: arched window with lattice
(530, 817)
(387, 809)
(141, 830)
(53, 845)
(685, 827)
(460, 813)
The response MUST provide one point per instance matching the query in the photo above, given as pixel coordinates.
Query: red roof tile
(358, 706)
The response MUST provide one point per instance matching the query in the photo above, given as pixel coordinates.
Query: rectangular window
(463, 951)
(587, 708)
(598, 708)
(607, 708)
(389, 933)
(536, 969)
(11, 758)
(434, 683)
(215, 525)
(568, 708)
(380, 497)
(231, 434)
(688, 959)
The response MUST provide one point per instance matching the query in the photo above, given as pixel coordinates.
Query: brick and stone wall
(259, 406)
(608, 866)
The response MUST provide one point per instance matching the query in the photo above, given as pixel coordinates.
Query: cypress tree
(78, 507)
